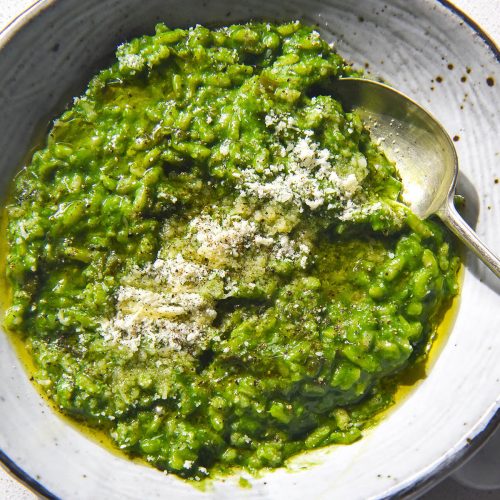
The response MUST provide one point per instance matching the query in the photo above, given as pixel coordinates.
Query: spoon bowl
(423, 152)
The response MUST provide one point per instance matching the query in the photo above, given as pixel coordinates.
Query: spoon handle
(457, 225)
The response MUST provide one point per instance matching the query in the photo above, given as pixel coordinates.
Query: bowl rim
(425, 482)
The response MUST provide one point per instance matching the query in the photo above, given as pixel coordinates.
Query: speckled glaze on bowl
(423, 47)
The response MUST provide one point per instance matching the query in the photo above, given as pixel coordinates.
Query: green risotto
(210, 260)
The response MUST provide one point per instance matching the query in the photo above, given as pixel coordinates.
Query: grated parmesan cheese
(170, 303)
(307, 178)
(221, 239)
(177, 318)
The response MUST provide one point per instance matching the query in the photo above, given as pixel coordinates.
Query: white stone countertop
(486, 13)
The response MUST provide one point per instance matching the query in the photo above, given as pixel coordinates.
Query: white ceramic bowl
(423, 47)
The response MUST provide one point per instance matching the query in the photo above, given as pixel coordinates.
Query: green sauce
(209, 259)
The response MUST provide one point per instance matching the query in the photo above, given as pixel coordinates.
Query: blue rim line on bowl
(440, 472)
(418, 487)
(482, 34)
(10, 466)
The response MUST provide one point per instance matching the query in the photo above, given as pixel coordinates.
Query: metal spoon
(423, 152)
